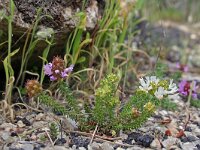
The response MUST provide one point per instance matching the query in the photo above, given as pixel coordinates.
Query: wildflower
(172, 87)
(157, 87)
(182, 67)
(185, 87)
(145, 84)
(56, 70)
(150, 107)
(47, 69)
(160, 92)
(33, 87)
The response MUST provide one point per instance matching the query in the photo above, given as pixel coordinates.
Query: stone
(106, 146)
(5, 135)
(135, 147)
(40, 116)
(20, 124)
(82, 148)
(169, 142)
(19, 146)
(156, 144)
(119, 148)
(55, 148)
(8, 126)
(94, 146)
(39, 124)
(187, 146)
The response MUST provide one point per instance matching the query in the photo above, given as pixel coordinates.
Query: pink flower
(185, 86)
(182, 67)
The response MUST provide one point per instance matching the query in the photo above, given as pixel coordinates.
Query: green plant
(53, 131)
(195, 103)
(168, 105)
(29, 46)
(109, 114)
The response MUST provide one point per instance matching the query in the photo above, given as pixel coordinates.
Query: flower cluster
(56, 70)
(185, 87)
(182, 67)
(157, 87)
(33, 87)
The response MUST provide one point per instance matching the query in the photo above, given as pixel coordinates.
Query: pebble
(145, 140)
(39, 117)
(188, 146)
(5, 135)
(169, 142)
(20, 124)
(156, 144)
(94, 146)
(55, 148)
(106, 146)
(18, 146)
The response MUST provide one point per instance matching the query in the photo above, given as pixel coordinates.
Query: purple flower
(52, 78)
(182, 67)
(47, 69)
(185, 87)
(56, 71)
(69, 69)
(63, 74)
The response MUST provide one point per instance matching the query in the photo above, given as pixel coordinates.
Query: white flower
(172, 87)
(160, 92)
(174, 96)
(145, 84)
(154, 79)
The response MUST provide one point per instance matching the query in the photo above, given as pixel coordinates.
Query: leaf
(81, 59)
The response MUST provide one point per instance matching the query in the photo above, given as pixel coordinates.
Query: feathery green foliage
(52, 103)
(168, 105)
(104, 112)
(53, 130)
(195, 103)
(72, 103)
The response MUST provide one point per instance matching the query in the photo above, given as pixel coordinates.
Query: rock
(8, 126)
(156, 144)
(189, 139)
(82, 148)
(18, 146)
(55, 148)
(169, 142)
(119, 148)
(5, 135)
(20, 124)
(39, 124)
(189, 129)
(60, 141)
(145, 140)
(188, 146)
(174, 55)
(106, 146)
(194, 58)
(79, 141)
(135, 147)
(94, 146)
(40, 116)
